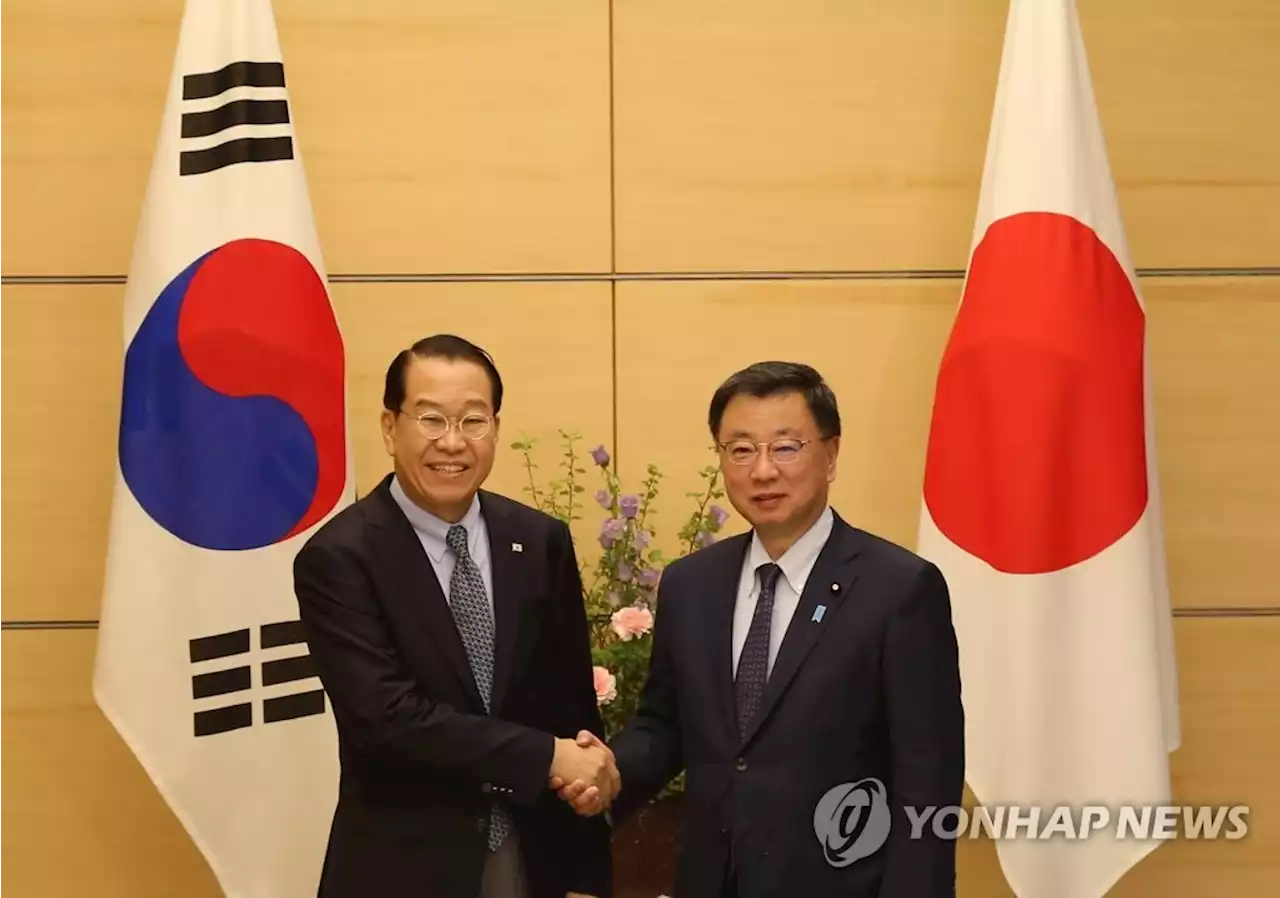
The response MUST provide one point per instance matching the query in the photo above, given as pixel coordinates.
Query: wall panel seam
(1189, 612)
(887, 274)
(613, 251)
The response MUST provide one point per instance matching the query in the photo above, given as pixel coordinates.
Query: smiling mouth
(768, 497)
(448, 468)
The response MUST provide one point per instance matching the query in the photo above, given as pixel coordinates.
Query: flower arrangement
(621, 590)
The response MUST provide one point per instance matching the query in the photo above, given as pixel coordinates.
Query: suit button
(742, 764)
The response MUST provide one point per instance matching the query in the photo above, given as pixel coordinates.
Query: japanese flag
(1041, 498)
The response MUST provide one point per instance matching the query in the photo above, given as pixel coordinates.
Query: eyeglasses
(782, 452)
(434, 426)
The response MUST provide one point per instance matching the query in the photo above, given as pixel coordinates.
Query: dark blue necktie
(470, 605)
(753, 661)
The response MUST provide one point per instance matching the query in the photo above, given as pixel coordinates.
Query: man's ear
(833, 450)
(388, 422)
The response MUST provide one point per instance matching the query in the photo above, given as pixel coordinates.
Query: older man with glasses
(448, 628)
(803, 675)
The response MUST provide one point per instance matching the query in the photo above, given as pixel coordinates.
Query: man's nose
(452, 441)
(762, 466)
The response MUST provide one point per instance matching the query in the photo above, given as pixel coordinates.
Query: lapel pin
(818, 612)
(517, 547)
(835, 587)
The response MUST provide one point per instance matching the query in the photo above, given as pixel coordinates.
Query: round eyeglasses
(434, 426)
(744, 452)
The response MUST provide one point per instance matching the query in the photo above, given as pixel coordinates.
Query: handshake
(585, 774)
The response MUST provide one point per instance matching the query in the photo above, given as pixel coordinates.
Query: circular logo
(852, 821)
(232, 421)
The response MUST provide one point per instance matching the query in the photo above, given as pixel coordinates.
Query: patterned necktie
(753, 661)
(470, 604)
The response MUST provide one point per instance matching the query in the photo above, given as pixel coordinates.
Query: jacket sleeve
(649, 750)
(376, 699)
(589, 854)
(926, 736)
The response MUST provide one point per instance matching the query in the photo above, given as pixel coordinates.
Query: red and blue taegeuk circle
(233, 423)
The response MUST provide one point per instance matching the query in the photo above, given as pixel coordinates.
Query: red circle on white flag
(1036, 457)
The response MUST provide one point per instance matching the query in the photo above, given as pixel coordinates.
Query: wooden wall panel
(816, 136)
(1215, 360)
(62, 356)
(459, 137)
(437, 136)
(1192, 123)
(800, 136)
(81, 817)
(46, 670)
(550, 340)
(878, 343)
(83, 89)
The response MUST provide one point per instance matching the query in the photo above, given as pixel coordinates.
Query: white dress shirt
(432, 531)
(796, 564)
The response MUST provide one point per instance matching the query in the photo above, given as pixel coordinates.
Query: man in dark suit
(447, 626)
(804, 676)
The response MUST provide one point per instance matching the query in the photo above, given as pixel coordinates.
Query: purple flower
(718, 517)
(624, 572)
(704, 540)
(603, 498)
(613, 599)
(600, 456)
(641, 540)
(611, 531)
(649, 577)
(630, 505)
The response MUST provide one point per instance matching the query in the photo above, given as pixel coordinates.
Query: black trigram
(201, 121)
(230, 680)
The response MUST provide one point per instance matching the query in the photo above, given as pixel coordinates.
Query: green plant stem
(533, 485)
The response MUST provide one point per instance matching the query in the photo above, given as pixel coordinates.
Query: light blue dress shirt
(431, 531)
(796, 564)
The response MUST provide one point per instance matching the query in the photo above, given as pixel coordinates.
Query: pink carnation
(606, 685)
(631, 622)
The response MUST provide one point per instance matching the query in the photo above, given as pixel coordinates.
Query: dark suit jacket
(870, 690)
(421, 760)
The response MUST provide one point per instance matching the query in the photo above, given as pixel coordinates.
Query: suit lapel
(828, 585)
(510, 588)
(402, 556)
(719, 624)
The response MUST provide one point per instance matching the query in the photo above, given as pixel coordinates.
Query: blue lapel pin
(818, 612)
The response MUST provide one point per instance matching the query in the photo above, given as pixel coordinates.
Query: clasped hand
(585, 774)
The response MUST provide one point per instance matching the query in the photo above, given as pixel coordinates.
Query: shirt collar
(434, 528)
(798, 561)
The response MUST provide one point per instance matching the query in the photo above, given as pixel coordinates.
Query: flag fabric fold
(1041, 497)
(233, 447)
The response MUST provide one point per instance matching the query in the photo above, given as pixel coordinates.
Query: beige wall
(726, 138)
